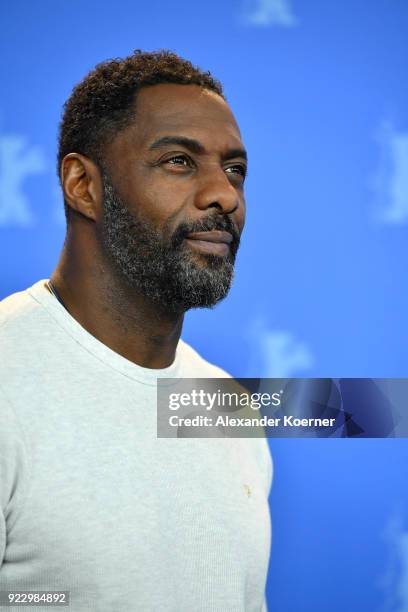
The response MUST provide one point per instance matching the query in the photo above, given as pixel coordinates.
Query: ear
(82, 185)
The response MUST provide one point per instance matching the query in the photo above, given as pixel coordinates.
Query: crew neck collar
(79, 334)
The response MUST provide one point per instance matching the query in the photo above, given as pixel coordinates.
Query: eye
(178, 160)
(237, 169)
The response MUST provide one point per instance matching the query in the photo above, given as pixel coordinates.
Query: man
(152, 168)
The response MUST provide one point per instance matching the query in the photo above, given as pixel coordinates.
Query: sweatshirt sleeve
(13, 470)
(264, 606)
(267, 464)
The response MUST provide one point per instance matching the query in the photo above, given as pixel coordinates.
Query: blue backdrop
(320, 92)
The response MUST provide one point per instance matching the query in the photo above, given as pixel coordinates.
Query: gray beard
(163, 270)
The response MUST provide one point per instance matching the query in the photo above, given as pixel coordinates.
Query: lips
(215, 242)
(216, 236)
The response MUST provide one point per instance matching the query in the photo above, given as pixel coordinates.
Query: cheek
(167, 202)
(159, 205)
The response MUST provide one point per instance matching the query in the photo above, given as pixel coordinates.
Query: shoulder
(24, 335)
(18, 309)
(195, 366)
(13, 307)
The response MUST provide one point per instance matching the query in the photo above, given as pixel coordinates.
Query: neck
(114, 313)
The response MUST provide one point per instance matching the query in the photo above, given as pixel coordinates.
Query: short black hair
(103, 103)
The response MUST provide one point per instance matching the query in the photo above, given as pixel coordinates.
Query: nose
(216, 191)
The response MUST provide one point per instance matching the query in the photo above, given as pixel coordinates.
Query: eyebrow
(194, 146)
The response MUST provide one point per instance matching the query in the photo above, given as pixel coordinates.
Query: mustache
(207, 224)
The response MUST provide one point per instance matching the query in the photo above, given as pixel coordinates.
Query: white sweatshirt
(93, 503)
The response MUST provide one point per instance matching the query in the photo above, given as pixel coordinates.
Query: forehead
(188, 110)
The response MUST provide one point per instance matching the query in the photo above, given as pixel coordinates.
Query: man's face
(173, 207)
